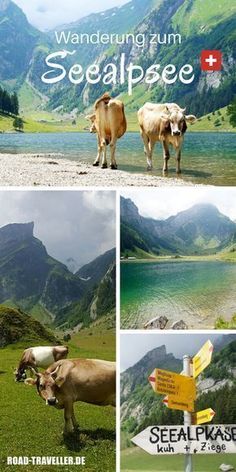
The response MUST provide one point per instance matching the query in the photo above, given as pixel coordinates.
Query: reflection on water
(208, 158)
(197, 292)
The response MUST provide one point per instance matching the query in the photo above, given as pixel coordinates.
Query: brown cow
(109, 123)
(40, 356)
(166, 123)
(72, 380)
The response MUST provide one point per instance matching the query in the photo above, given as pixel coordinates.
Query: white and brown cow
(109, 122)
(41, 356)
(166, 123)
(72, 380)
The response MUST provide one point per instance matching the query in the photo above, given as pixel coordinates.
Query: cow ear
(190, 118)
(30, 381)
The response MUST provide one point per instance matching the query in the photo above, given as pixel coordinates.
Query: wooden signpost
(202, 358)
(177, 385)
(175, 404)
(204, 416)
(192, 438)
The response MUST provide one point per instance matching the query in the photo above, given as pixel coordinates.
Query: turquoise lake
(207, 158)
(197, 292)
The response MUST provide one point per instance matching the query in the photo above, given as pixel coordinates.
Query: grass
(41, 121)
(134, 459)
(202, 15)
(30, 428)
(222, 324)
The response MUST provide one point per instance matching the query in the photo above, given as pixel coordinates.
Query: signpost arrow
(165, 382)
(202, 358)
(206, 439)
(204, 416)
(174, 403)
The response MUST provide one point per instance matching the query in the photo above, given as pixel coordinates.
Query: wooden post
(187, 415)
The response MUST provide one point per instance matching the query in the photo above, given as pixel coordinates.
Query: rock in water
(159, 322)
(179, 325)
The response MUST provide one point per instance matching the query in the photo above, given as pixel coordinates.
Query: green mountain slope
(16, 326)
(29, 276)
(44, 287)
(98, 301)
(203, 25)
(201, 229)
(199, 16)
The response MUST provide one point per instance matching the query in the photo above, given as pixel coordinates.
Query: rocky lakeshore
(52, 170)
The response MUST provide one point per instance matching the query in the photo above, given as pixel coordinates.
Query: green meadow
(41, 121)
(136, 460)
(30, 428)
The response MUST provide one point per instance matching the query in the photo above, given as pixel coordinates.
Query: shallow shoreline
(51, 170)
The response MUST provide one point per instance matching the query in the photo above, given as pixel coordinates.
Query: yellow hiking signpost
(180, 394)
(204, 416)
(202, 358)
(177, 385)
(175, 404)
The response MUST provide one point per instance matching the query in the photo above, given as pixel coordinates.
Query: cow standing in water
(41, 356)
(72, 380)
(166, 123)
(109, 123)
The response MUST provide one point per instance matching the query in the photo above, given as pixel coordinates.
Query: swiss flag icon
(211, 60)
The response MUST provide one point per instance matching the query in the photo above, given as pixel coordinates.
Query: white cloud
(67, 223)
(134, 346)
(164, 202)
(47, 14)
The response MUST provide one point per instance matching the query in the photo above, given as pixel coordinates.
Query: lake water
(208, 158)
(197, 292)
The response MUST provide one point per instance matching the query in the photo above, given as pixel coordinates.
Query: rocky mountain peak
(16, 232)
(129, 211)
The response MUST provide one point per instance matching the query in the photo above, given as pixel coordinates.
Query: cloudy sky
(77, 224)
(46, 14)
(163, 202)
(134, 346)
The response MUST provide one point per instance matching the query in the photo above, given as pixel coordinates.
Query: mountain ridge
(23, 55)
(201, 229)
(34, 281)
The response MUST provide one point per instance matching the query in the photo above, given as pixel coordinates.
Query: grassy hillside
(202, 15)
(16, 326)
(216, 121)
(48, 122)
(22, 436)
(135, 459)
(43, 122)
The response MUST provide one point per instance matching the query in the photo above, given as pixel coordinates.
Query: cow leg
(147, 150)
(113, 150)
(75, 424)
(97, 160)
(166, 156)
(104, 151)
(68, 416)
(178, 158)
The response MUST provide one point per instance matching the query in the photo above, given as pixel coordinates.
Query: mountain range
(141, 407)
(201, 229)
(30, 279)
(211, 25)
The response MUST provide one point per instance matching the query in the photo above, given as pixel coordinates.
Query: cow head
(92, 119)
(20, 374)
(48, 384)
(175, 120)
